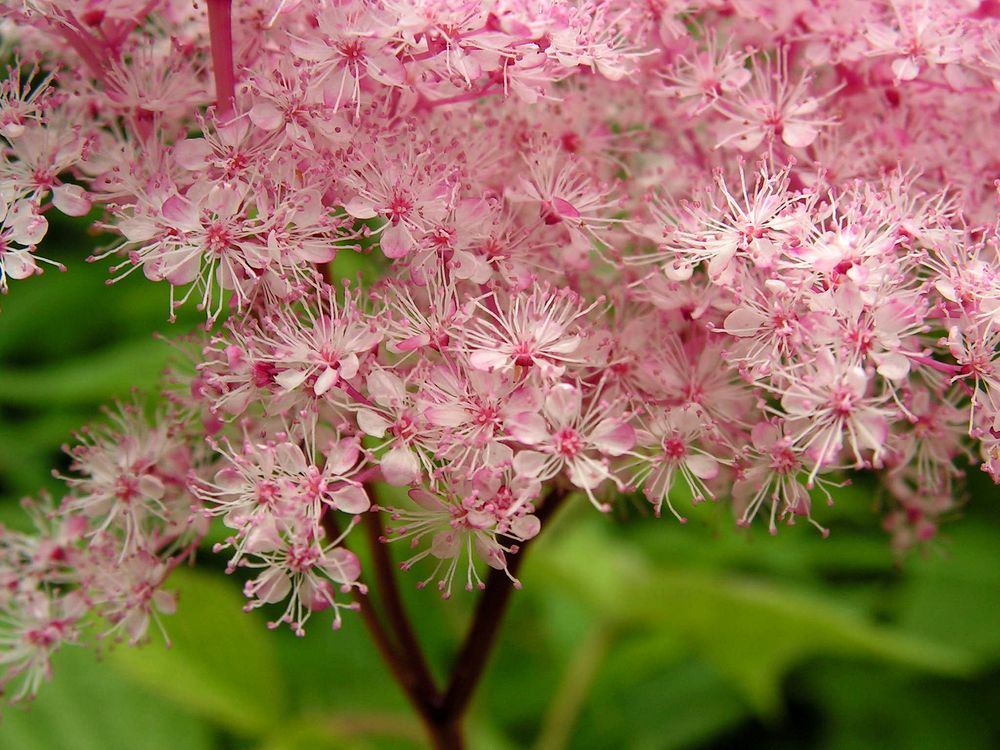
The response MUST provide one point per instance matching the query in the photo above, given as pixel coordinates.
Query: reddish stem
(220, 27)
(423, 703)
(420, 674)
(490, 610)
(398, 645)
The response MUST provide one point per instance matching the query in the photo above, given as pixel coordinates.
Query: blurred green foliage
(630, 632)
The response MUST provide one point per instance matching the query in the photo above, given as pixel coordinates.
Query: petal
(372, 423)
(396, 241)
(489, 360)
(743, 322)
(799, 134)
(385, 388)
(528, 428)
(702, 466)
(192, 153)
(349, 365)
(490, 551)
(151, 486)
(291, 458)
(445, 545)
(564, 209)
(341, 456)
(613, 437)
(446, 415)
(525, 527)
(185, 272)
(528, 463)
(563, 403)
(342, 565)
(905, 68)
(290, 379)
(427, 500)
(400, 467)
(351, 499)
(360, 208)
(72, 200)
(327, 379)
(586, 474)
(181, 213)
(271, 586)
(266, 116)
(893, 366)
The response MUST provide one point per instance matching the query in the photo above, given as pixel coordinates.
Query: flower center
(568, 442)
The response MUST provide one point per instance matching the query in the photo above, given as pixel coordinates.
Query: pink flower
(537, 330)
(830, 403)
(561, 434)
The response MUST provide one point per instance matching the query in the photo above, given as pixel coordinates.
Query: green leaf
(347, 730)
(87, 706)
(657, 706)
(754, 632)
(221, 663)
(954, 595)
(90, 379)
(751, 631)
(866, 707)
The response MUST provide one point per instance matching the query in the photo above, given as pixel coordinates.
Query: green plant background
(630, 632)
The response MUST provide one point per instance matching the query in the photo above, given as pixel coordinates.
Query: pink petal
(563, 403)
(291, 458)
(342, 565)
(528, 428)
(72, 200)
(426, 500)
(271, 586)
(192, 153)
(327, 379)
(371, 423)
(400, 467)
(586, 474)
(385, 388)
(181, 213)
(564, 209)
(525, 527)
(360, 208)
(528, 463)
(485, 359)
(613, 437)
(446, 415)
(351, 499)
(396, 241)
(703, 467)
(341, 456)
(266, 116)
(290, 379)
(799, 134)
(743, 322)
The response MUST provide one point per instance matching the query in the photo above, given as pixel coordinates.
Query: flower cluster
(715, 250)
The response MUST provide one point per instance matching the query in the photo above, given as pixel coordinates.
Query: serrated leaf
(221, 663)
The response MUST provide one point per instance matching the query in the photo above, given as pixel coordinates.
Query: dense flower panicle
(719, 250)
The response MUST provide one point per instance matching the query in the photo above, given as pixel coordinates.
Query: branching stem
(396, 641)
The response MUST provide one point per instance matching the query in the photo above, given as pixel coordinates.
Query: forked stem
(441, 713)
